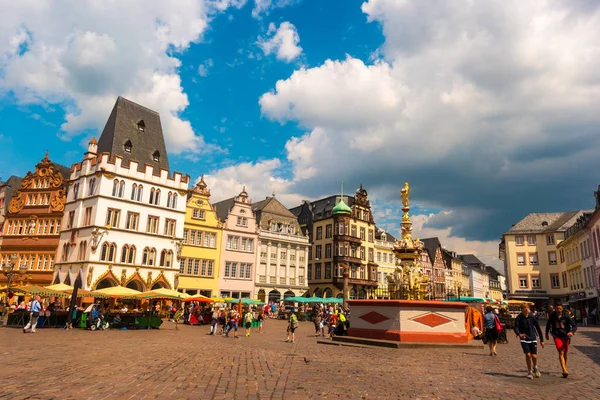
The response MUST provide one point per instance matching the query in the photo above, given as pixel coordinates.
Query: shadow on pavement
(593, 352)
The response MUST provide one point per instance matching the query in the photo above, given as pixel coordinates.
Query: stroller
(95, 320)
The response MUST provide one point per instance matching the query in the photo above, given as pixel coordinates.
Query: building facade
(238, 247)
(433, 248)
(200, 263)
(535, 268)
(124, 214)
(342, 234)
(7, 189)
(592, 228)
(385, 259)
(283, 252)
(33, 220)
(454, 281)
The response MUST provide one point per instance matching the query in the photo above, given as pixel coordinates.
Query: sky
(488, 108)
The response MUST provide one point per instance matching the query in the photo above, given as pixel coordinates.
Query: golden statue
(405, 193)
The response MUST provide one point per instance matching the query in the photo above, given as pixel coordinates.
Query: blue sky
(489, 109)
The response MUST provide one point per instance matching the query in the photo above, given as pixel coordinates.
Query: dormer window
(141, 126)
(128, 146)
(156, 156)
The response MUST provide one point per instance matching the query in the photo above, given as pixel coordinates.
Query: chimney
(92, 150)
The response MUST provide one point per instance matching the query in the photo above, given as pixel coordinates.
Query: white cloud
(282, 41)
(264, 7)
(83, 54)
(205, 67)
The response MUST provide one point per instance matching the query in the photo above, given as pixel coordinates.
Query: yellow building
(454, 279)
(536, 269)
(202, 237)
(384, 245)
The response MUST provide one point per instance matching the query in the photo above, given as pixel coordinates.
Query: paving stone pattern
(188, 364)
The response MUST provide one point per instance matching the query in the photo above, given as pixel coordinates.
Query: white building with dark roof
(124, 215)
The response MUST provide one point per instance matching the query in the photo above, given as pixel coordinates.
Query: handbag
(498, 324)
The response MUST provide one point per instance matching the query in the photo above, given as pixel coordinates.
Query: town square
(251, 199)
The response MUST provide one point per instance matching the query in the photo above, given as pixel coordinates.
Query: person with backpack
(292, 325)
(526, 327)
(248, 318)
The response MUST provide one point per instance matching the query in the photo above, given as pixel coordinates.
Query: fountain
(408, 318)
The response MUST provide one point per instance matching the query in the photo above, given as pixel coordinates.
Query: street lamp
(9, 271)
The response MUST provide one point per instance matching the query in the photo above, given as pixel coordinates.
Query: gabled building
(282, 254)
(433, 247)
(200, 262)
(7, 189)
(479, 280)
(238, 248)
(385, 259)
(32, 221)
(125, 210)
(342, 233)
(454, 282)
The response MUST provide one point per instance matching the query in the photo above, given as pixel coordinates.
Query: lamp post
(9, 271)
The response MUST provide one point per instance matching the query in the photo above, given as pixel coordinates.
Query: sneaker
(287, 340)
(247, 335)
(529, 375)
(537, 373)
(24, 330)
(293, 341)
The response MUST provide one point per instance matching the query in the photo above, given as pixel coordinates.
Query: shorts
(529, 347)
(562, 344)
(248, 325)
(291, 329)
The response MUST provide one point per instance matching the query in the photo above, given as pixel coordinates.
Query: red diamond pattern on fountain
(373, 317)
(432, 320)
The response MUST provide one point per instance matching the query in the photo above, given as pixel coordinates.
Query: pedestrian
(584, 316)
(491, 333)
(34, 314)
(248, 318)
(214, 322)
(261, 320)
(317, 322)
(526, 328)
(563, 328)
(292, 325)
(550, 311)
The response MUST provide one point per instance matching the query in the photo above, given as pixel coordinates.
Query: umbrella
(35, 290)
(245, 301)
(163, 293)
(60, 287)
(199, 298)
(333, 300)
(87, 293)
(119, 292)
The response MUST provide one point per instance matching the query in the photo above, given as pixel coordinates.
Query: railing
(262, 279)
(381, 243)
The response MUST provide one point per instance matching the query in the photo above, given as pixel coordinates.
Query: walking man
(248, 318)
(34, 314)
(563, 328)
(526, 328)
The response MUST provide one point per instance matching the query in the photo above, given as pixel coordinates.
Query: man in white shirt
(34, 314)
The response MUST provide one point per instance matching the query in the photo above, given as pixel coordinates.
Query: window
(319, 232)
(108, 252)
(127, 146)
(186, 234)
(531, 240)
(549, 239)
(385, 258)
(75, 193)
(552, 257)
(309, 271)
(362, 272)
(378, 256)
(169, 227)
(140, 192)
(370, 255)
(134, 191)
(562, 256)
(197, 213)
(131, 223)
(328, 231)
(318, 252)
(121, 188)
(371, 235)
(554, 281)
(112, 217)
(328, 250)
(519, 240)
(210, 268)
(152, 226)
(156, 156)
(152, 192)
(248, 271)
(564, 279)
(182, 265)
(157, 197)
(87, 216)
(353, 234)
(536, 282)
(318, 271)
(91, 186)
(533, 259)
(70, 220)
(521, 258)
(523, 281)
(362, 233)
(362, 252)
(115, 190)
(141, 126)
(242, 221)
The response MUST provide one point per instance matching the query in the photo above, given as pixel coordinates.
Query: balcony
(381, 243)
(347, 259)
(355, 281)
(347, 238)
(262, 279)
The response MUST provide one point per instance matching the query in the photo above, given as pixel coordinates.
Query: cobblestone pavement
(189, 364)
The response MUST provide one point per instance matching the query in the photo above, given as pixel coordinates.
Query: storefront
(584, 300)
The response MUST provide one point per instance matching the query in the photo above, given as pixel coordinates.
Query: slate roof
(14, 182)
(431, 245)
(275, 207)
(323, 208)
(388, 237)
(122, 125)
(223, 207)
(64, 171)
(471, 259)
(534, 223)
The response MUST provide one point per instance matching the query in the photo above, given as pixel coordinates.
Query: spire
(201, 187)
(341, 207)
(92, 150)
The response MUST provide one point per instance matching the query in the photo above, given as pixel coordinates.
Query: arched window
(152, 256)
(140, 193)
(112, 252)
(174, 201)
(152, 191)
(115, 190)
(65, 252)
(163, 256)
(169, 260)
(157, 197)
(104, 252)
(91, 186)
(124, 252)
(127, 146)
(121, 188)
(82, 250)
(169, 198)
(145, 255)
(131, 255)
(134, 191)
(141, 126)
(156, 156)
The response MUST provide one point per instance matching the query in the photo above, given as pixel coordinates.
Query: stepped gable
(134, 132)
